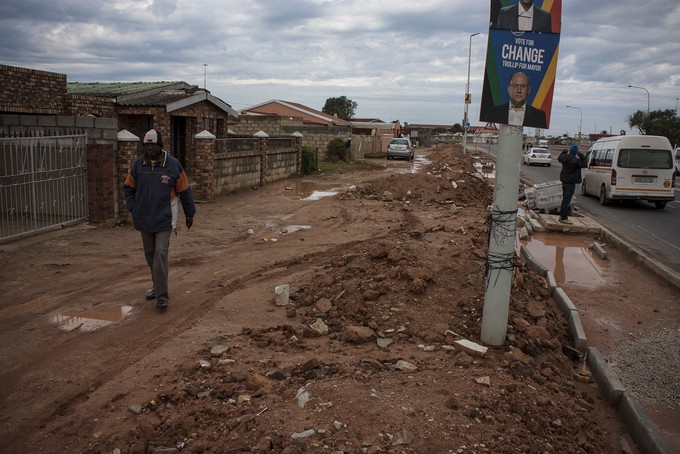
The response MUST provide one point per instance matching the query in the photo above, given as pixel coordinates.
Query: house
(176, 109)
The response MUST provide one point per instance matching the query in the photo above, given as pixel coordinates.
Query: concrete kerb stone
(577, 331)
(638, 424)
(606, 379)
(563, 301)
(642, 430)
(532, 262)
(552, 282)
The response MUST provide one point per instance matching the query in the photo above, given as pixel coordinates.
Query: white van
(630, 168)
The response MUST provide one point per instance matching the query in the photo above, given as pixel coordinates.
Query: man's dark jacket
(508, 19)
(571, 167)
(533, 117)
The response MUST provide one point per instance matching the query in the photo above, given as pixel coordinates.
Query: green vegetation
(657, 123)
(336, 151)
(309, 163)
(342, 107)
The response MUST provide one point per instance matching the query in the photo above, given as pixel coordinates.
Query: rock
(319, 327)
(324, 305)
(405, 366)
(536, 308)
(282, 295)
(417, 286)
(358, 334)
(218, 350)
(403, 437)
(256, 382)
(302, 397)
(338, 425)
(463, 359)
(516, 355)
(136, 409)
(305, 434)
(384, 343)
(485, 380)
(471, 348)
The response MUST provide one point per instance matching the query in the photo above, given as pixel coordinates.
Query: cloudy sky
(399, 60)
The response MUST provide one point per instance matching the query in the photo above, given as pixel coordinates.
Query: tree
(657, 123)
(342, 107)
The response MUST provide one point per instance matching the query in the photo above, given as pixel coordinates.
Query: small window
(636, 158)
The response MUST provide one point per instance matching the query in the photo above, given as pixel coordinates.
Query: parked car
(677, 162)
(537, 155)
(400, 148)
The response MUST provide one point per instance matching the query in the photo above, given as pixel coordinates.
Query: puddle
(487, 169)
(300, 189)
(316, 195)
(570, 259)
(91, 319)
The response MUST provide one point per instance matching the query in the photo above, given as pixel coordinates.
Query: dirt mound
(369, 361)
(374, 352)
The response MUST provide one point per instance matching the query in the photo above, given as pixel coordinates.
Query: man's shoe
(566, 221)
(151, 295)
(161, 304)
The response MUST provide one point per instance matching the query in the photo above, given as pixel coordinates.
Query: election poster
(521, 64)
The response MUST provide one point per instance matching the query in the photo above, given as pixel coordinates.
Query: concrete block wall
(236, 170)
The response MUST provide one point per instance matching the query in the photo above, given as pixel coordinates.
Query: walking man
(572, 163)
(152, 187)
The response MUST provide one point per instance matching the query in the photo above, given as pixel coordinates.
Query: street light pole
(676, 106)
(580, 121)
(467, 97)
(642, 88)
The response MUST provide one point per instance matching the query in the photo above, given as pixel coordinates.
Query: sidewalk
(642, 429)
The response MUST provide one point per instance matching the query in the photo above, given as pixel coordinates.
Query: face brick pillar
(129, 148)
(264, 162)
(203, 166)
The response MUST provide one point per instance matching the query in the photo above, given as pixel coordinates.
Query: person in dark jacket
(154, 183)
(572, 163)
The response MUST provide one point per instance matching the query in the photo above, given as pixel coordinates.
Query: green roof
(116, 88)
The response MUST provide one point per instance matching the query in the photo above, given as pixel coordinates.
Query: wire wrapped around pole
(501, 229)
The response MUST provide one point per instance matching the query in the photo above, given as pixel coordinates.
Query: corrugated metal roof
(117, 88)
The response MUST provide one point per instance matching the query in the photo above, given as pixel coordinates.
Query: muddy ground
(384, 278)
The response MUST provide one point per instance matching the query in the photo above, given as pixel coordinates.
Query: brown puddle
(91, 319)
(569, 258)
(298, 189)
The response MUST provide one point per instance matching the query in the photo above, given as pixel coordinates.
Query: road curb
(643, 431)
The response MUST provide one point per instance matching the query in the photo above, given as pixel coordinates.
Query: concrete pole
(501, 253)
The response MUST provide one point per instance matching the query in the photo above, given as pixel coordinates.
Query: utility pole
(467, 97)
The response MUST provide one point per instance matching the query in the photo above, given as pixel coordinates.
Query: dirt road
(384, 278)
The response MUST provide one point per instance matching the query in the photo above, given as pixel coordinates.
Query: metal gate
(43, 184)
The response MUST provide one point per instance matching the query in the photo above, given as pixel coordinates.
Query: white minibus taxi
(630, 168)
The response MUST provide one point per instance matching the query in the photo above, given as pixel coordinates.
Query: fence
(43, 184)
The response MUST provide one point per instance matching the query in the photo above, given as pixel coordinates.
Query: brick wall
(32, 91)
(97, 106)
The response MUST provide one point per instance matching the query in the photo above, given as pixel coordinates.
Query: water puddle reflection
(305, 190)
(91, 319)
(569, 258)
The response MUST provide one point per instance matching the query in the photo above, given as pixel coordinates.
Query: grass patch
(345, 167)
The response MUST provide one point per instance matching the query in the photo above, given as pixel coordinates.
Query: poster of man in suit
(521, 65)
(526, 15)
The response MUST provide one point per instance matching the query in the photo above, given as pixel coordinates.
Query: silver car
(400, 148)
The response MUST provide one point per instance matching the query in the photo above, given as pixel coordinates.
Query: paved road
(657, 232)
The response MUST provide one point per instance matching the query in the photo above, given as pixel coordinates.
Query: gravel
(650, 366)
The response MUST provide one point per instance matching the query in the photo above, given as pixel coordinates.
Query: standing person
(572, 163)
(152, 186)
